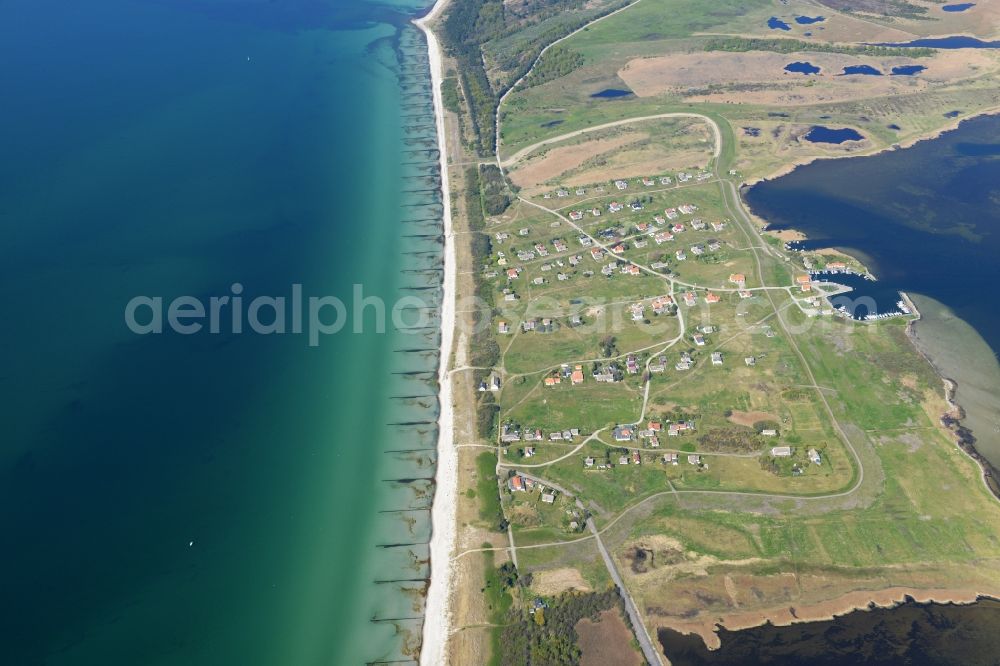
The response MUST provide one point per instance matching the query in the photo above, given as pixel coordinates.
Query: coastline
(963, 437)
(951, 420)
(846, 604)
(437, 612)
(912, 141)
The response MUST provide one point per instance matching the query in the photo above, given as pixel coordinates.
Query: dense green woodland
(477, 34)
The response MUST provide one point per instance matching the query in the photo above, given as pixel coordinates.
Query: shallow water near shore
(222, 498)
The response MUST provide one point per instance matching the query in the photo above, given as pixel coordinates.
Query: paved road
(648, 650)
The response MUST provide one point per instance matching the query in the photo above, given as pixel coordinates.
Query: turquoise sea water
(175, 147)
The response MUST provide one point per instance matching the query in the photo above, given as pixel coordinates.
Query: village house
(588, 462)
(585, 240)
(697, 224)
(670, 458)
(769, 432)
(576, 215)
(683, 177)
(648, 182)
(562, 193)
(687, 209)
(596, 212)
(631, 269)
(718, 226)
(694, 459)
(781, 451)
(637, 310)
(677, 228)
(529, 451)
(711, 298)
(663, 237)
(662, 304)
(548, 498)
(577, 375)
(608, 374)
(533, 435)
(632, 364)
(553, 381)
(671, 213)
(665, 180)
(745, 294)
(580, 192)
(738, 279)
(804, 282)
(575, 320)
(635, 206)
(659, 364)
(659, 265)
(524, 231)
(680, 255)
(503, 327)
(614, 206)
(716, 358)
(689, 298)
(560, 245)
(636, 458)
(714, 245)
(699, 339)
(510, 296)
(525, 255)
(621, 184)
(597, 253)
(538, 281)
(622, 460)
(513, 273)
(509, 433)
(501, 236)
(659, 220)
(697, 250)
(609, 269)
(624, 433)
(751, 361)
(641, 243)
(516, 484)
(814, 456)
(529, 325)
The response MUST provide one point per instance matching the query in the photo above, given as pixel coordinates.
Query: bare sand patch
(607, 641)
(758, 77)
(788, 235)
(554, 581)
(749, 418)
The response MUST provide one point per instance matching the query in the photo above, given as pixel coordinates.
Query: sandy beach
(437, 614)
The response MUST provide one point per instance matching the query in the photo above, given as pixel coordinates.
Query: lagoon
(821, 134)
(802, 68)
(612, 93)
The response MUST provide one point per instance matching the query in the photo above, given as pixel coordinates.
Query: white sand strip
(437, 620)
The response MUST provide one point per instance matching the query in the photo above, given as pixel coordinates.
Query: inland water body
(215, 498)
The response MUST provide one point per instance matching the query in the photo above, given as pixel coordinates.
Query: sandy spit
(437, 614)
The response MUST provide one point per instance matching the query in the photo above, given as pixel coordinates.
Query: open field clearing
(626, 151)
